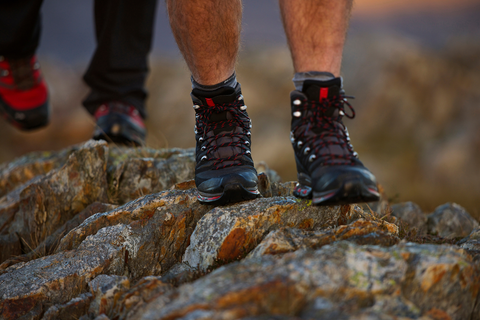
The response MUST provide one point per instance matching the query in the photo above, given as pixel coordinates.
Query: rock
(159, 224)
(49, 245)
(166, 256)
(180, 273)
(451, 221)
(262, 167)
(230, 233)
(73, 309)
(128, 302)
(58, 278)
(339, 279)
(16, 173)
(80, 182)
(132, 177)
(472, 245)
(361, 232)
(104, 288)
(274, 189)
(10, 246)
(411, 213)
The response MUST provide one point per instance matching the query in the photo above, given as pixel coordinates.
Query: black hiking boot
(23, 93)
(224, 172)
(329, 171)
(119, 123)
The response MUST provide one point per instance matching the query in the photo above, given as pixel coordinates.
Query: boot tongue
(319, 90)
(216, 97)
(219, 96)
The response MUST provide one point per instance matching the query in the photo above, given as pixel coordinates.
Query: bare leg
(316, 32)
(207, 33)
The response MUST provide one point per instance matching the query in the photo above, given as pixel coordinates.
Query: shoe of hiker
(23, 93)
(329, 171)
(119, 123)
(224, 172)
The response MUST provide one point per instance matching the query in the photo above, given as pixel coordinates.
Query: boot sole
(27, 119)
(232, 193)
(351, 191)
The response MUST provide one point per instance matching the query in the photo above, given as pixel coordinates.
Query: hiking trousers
(118, 68)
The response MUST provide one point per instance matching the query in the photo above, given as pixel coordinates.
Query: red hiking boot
(23, 93)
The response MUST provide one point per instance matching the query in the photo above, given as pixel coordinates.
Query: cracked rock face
(120, 235)
(132, 178)
(228, 233)
(340, 279)
(360, 231)
(36, 209)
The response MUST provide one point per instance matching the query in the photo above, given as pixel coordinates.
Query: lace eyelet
(243, 108)
(204, 148)
(203, 158)
(196, 106)
(299, 144)
(297, 102)
(297, 114)
(307, 150)
(247, 143)
(240, 97)
(312, 157)
(248, 152)
(200, 139)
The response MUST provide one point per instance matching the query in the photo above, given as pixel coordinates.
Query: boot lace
(321, 126)
(237, 139)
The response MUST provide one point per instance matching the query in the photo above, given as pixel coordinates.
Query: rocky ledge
(99, 232)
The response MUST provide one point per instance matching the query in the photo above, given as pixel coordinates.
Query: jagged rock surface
(342, 279)
(360, 231)
(228, 233)
(156, 170)
(165, 256)
(36, 209)
(48, 246)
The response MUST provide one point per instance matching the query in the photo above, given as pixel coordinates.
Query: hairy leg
(316, 31)
(207, 33)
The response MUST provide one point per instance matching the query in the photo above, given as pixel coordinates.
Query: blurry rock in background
(417, 102)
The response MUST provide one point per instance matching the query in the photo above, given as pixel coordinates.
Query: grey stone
(451, 221)
(73, 309)
(411, 213)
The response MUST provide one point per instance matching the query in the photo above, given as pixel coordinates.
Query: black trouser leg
(117, 71)
(19, 27)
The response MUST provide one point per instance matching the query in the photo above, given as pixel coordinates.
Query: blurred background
(413, 66)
